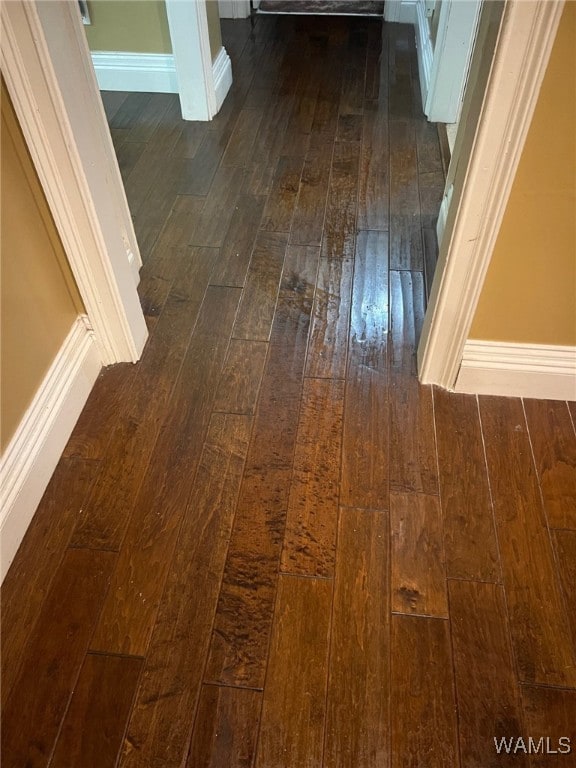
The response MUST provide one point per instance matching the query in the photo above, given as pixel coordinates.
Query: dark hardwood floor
(266, 544)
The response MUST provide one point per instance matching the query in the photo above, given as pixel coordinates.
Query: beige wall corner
(40, 300)
(214, 30)
(137, 26)
(529, 295)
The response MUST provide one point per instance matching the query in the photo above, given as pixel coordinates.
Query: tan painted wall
(529, 295)
(214, 27)
(138, 26)
(39, 299)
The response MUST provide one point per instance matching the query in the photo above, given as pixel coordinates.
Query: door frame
(49, 75)
(473, 216)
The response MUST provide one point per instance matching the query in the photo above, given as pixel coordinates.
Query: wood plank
(300, 273)
(238, 242)
(146, 121)
(190, 139)
(327, 351)
(130, 609)
(129, 110)
(308, 220)
(565, 547)
(341, 208)
(292, 723)
(177, 231)
(430, 244)
(28, 581)
(239, 647)
(99, 416)
(241, 143)
(374, 194)
(418, 578)
(428, 146)
(364, 481)
(369, 311)
(93, 729)
(353, 81)
(406, 250)
(52, 658)
(550, 714)
(350, 127)
(311, 523)
(406, 319)
(281, 201)
(269, 144)
(162, 718)
(486, 687)
(226, 728)
(128, 153)
(357, 720)
(112, 101)
(219, 208)
(241, 376)
(401, 98)
(413, 461)
(422, 702)
(470, 543)
(431, 188)
(541, 639)
(203, 166)
(106, 514)
(256, 310)
(554, 445)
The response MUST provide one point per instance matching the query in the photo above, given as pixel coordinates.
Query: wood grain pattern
(130, 609)
(308, 220)
(226, 728)
(341, 208)
(357, 719)
(406, 319)
(162, 718)
(311, 522)
(52, 657)
(292, 723)
(256, 310)
(550, 714)
(565, 547)
(106, 515)
(238, 243)
(422, 701)
(405, 234)
(219, 208)
(541, 636)
(373, 198)
(300, 273)
(469, 533)
(418, 581)
(27, 584)
(554, 445)
(241, 376)
(93, 729)
(488, 694)
(370, 309)
(364, 481)
(239, 148)
(330, 329)
(281, 201)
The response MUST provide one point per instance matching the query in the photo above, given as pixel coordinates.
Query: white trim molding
(522, 52)
(400, 11)
(235, 9)
(424, 49)
(35, 449)
(47, 68)
(518, 370)
(222, 73)
(142, 72)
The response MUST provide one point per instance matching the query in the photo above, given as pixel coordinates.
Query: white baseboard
(222, 73)
(235, 9)
(148, 72)
(31, 456)
(400, 11)
(518, 370)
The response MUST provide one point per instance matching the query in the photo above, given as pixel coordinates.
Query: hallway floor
(266, 545)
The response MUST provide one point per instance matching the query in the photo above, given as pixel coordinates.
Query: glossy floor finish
(266, 545)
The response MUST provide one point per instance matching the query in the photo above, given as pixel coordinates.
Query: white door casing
(48, 72)
(474, 216)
